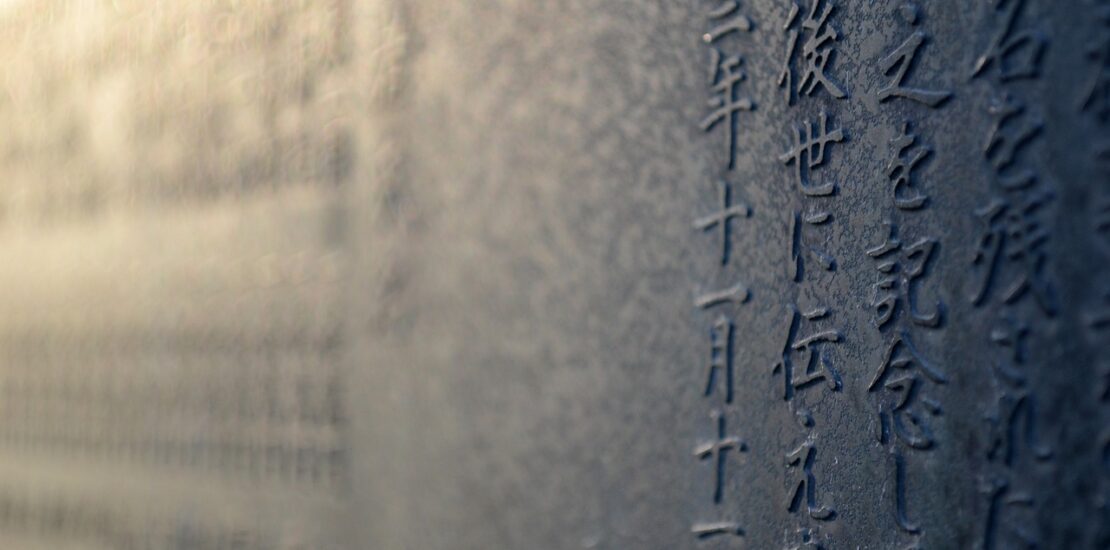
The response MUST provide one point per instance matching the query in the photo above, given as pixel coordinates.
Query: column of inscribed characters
(726, 23)
(1011, 274)
(904, 387)
(806, 365)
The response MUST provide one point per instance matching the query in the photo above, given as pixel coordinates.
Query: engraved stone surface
(376, 274)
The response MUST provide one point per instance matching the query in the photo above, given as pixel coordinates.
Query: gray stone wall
(376, 274)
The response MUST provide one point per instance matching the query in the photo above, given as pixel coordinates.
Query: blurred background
(175, 220)
(421, 275)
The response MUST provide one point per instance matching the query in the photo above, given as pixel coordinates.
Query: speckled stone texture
(537, 339)
(439, 274)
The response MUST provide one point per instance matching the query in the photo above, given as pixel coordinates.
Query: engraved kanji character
(716, 529)
(1014, 236)
(736, 295)
(1013, 129)
(899, 62)
(726, 103)
(1012, 421)
(901, 267)
(1101, 538)
(1100, 218)
(902, 410)
(804, 492)
(731, 20)
(1015, 54)
(799, 245)
(817, 52)
(901, 490)
(718, 451)
(1101, 499)
(722, 219)
(814, 366)
(900, 169)
(1098, 318)
(900, 377)
(1002, 530)
(1104, 392)
(1097, 97)
(807, 152)
(810, 539)
(722, 338)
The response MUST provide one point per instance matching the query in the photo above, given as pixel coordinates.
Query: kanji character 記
(804, 492)
(717, 450)
(807, 152)
(1011, 252)
(817, 52)
(902, 267)
(721, 220)
(1015, 54)
(726, 103)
